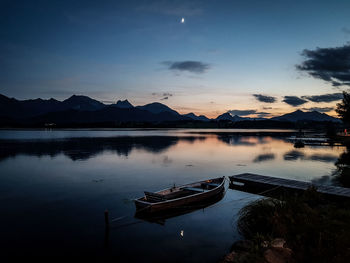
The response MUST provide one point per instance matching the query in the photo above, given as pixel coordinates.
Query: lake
(56, 185)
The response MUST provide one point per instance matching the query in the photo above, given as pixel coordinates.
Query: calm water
(55, 186)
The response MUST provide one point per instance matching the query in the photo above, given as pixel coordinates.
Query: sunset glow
(135, 51)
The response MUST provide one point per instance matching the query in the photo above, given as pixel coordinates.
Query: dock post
(106, 241)
(106, 218)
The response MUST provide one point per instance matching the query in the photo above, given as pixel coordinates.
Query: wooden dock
(255, 183)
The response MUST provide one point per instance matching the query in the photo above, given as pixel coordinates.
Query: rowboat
(162, 216)
(184, 196)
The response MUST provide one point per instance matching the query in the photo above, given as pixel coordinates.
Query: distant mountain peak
(227, 114)
(300, 115)
(80, 102)
(157, 107)
(124, 104)
(78, 97)
(196, 117)
(228, 117)
(191, 114)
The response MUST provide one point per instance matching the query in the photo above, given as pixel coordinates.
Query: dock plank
(263, 180)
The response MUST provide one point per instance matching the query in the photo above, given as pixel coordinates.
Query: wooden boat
(183, 196)
(162, 216)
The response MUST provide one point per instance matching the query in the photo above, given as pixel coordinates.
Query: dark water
(55, 186)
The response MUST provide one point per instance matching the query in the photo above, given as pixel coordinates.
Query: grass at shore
(317, 230)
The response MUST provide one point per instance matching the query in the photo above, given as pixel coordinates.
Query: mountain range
(84, 110)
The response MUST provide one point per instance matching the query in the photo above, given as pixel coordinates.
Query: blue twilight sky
(223, 53)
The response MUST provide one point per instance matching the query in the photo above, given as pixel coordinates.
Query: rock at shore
(274, 252)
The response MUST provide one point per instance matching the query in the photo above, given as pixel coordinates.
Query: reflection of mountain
(293, 155)
(298, 155)
(235, 140)
(264, 157)
(85, 148)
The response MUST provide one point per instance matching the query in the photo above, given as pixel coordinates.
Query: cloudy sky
(252, 58)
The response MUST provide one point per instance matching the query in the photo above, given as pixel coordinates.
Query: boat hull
(180, 203)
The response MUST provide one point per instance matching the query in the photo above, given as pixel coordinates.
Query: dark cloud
(164, 95)
(264, 98)
(260, 114)
(267, 108)
(329, 64)
(324, 97)
(263, 114)
(319, 109)
(242, 112)
(294, 100)
(190, 66)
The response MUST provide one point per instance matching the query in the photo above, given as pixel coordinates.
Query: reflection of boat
(161, 217)
(184, 196)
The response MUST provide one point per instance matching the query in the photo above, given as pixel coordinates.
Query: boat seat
(154, 197)
(194, 189)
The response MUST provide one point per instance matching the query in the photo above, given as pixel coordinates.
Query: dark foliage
(342, 175)
(315, 229)
(343, 108)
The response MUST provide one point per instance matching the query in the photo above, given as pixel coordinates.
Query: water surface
(55, 186)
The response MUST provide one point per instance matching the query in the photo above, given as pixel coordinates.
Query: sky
(251, 58)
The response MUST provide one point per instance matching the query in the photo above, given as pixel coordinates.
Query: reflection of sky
(115, 50)
(221, 154)
(61, 190)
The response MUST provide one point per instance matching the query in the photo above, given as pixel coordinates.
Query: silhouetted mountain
(290, 117)
(257, 119)
(123, 104)
(299, 115)
(10, 107)
(157, 107)
(195, 117)
(228, 117)
(82, 110)
(108, 114)
(17, 109)
(81, 103)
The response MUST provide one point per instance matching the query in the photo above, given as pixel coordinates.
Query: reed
(316, 229)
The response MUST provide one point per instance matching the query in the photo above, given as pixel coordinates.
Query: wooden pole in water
(106, 218)
(106, 228)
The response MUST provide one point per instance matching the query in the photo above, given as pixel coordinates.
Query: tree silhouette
(343, 108)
